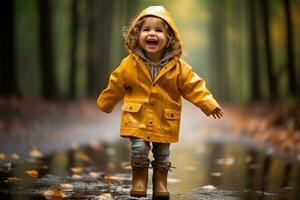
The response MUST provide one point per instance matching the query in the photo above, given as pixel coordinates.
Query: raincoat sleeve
(193, 89)
(114, 92)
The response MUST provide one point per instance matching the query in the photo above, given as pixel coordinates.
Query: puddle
(203, 171)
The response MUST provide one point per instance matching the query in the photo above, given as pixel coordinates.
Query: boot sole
(138, 194)
(160, 198)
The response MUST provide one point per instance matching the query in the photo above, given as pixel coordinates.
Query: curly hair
(132, 36)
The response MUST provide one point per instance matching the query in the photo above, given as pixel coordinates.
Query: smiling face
(153, 38)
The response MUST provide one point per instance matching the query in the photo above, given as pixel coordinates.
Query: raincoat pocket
(170, 123)
(131, 115)
(131, 107)
(171, 114)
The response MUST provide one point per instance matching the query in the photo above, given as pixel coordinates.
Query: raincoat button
(154, 84)
(148, 137)
(130, 108)
(151, 104)
(150, 122)
(172, 115)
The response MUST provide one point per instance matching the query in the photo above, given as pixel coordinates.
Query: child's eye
(145, 29)
(159, 30)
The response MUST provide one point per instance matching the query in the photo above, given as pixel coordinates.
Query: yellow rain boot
(139, 179)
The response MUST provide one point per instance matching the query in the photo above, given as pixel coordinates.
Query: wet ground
(210, 164)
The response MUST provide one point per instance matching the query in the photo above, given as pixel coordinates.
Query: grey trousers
(140, 151)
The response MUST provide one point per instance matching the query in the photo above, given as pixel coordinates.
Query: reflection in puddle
(205, 171)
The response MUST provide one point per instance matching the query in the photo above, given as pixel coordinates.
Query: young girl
(151, 81)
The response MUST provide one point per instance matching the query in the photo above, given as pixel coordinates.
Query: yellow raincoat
(151, 108)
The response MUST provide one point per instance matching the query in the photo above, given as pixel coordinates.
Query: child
(151, 81)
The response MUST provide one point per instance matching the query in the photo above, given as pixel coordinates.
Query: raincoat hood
(160, 12)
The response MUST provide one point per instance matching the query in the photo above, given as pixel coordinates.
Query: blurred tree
(290, 51)
(8, 75)
(254, 63)
(99, 38)
(272, 80)
(49, 85)
(218, 46)
(74, 44)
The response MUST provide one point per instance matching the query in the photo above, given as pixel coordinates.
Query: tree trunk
(74, 39)
(272, 82)
(49, 87)
(8, 75)
(290, 51)
(105, 40)
(99, 31)
(218, 46)
(254, 64)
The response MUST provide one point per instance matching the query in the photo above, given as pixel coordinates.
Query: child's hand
(218, 113)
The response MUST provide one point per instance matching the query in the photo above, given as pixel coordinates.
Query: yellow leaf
(216, 174)
(13, 178)
(33, 173)
(105, 196)
(111, 165)
(15, 156)
(76, 176)
(53, 194)
(82, 156)
(209, 187)
(225, 161)
(2, 156)
(66, 186)
(76, 170)
(94, 174)
(35, 153)
(126, 165)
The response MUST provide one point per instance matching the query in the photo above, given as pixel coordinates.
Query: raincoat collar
(167, 67)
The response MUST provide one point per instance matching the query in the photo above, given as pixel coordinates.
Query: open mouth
(152, 42)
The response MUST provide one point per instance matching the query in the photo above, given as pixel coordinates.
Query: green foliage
(27, 57)
(194, 19)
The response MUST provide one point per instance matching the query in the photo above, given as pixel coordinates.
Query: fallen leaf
(76, 176)
(35, 153)
(111, 165)
(216, 174)
(173, 180)
(82, 156)
(13, 178)
(95, 174)
(225, 161)
(76, 170)
(126, 165)
(67, 186)
(53, 194)
(105, 196)
(2, 156)
(116, 177)
(208, 187)
(15, 156)
(33, 173)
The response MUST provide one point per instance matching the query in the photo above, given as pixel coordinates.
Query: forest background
(65, 49)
